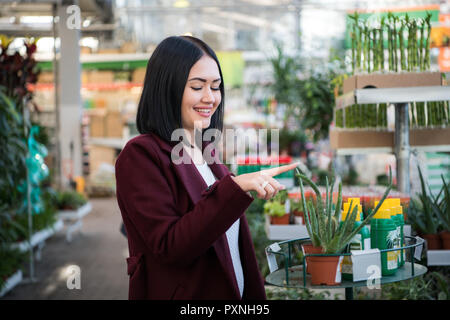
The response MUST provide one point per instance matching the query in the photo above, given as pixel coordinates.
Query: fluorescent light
(86, 23)
(181, 4)
(36, 19)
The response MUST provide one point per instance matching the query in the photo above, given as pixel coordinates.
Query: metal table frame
(402, 274)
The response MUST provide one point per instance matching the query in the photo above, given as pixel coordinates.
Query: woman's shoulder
(141, 145)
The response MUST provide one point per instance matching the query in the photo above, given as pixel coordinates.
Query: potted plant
(70, 200)
(276, 208)
(327, 235)
(423, 217)
(297, 208)
(11, 260)
(444, 215)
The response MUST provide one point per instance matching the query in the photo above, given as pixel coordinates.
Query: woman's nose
(208, 96)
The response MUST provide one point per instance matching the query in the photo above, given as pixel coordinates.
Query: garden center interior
(357, 91)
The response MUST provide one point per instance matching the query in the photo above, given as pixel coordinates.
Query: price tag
(275, 247)
(271, 259)
(418, 249)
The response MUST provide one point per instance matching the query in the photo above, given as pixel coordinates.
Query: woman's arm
(146, 197)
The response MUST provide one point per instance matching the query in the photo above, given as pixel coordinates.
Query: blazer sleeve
(147, 199)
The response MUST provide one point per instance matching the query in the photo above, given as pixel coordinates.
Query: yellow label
(392, 259)
(347, 266)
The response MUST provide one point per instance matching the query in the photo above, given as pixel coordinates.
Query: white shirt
(232, 233)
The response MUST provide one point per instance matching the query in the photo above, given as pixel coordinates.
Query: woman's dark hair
(159, 109)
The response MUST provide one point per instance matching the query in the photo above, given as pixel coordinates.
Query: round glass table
(294, 276)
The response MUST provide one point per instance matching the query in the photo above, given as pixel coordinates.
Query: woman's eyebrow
(203, 80)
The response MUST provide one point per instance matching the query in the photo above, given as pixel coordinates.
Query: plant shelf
(363, 141)
(11, 282)
(38, 238)
(284, 232)
(74, 218)
(393, 95)
(438, 257)
(116, 143)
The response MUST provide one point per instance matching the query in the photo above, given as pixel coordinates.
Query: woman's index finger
(279, 170)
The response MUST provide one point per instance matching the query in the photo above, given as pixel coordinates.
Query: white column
(69, 93)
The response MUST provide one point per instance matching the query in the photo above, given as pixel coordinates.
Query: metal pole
(349, 293)
(402, 148)
(58, 170)
(31, 278)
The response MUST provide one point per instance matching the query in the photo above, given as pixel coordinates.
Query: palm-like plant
(444, 206)
(322, 220)
(428, 213)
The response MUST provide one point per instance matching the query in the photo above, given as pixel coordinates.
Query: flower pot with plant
(442, 210)
(327, 235)
(276, 208)
(426, 213)
(297, 208)
(70, 200)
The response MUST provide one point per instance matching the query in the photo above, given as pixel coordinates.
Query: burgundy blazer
(176, 226)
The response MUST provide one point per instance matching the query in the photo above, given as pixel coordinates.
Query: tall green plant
(422, 213)
(443, 207)
(322, 220)
(12, 165)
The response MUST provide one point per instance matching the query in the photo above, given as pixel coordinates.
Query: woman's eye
(197, 89)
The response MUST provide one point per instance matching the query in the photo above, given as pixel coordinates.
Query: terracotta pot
(324, 270)
(280, 220)
(445, 239)
(433, 241)
(297, 213)
(310, 249)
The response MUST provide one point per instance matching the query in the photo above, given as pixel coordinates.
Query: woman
(187, 233)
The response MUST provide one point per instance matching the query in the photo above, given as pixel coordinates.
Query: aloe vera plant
(322, 220)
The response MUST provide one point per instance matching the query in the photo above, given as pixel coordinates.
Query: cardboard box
(128, 47)
(410, 79)
(85, 50)
(101, 77)
(85, 76)
(96, 126)
(139, 75)
(361, 139)
(429, 137)
(99, 155)
(46, 77)
(341, 139)
(114, 125)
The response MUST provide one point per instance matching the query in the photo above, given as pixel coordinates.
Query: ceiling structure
(225, 24)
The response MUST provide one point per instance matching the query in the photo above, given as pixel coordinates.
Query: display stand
(400, 97)
(294, 276)
(73, 219)
(438, 257)
(284, 231)
(11, 282)
(38, 239)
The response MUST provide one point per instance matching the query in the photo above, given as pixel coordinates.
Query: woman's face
(201, 95)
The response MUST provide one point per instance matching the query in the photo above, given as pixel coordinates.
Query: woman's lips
(204, 112)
